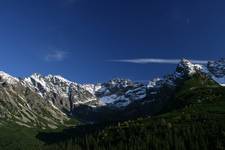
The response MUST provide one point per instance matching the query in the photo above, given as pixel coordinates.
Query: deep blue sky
(76, 38)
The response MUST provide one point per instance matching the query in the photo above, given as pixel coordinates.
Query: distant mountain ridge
(49, 101)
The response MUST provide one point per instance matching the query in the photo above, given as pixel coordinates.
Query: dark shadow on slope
(51, 137)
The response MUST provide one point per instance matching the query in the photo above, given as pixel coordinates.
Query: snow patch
(4, 77)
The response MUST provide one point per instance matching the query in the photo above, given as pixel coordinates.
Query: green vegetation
(194, 118)
(13, 137)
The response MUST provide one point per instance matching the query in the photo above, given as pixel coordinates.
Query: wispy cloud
(156, 60)
(57, 55)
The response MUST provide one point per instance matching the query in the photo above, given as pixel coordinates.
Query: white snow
(60, 78)
(39, 79)
(109, 99)
(8, 78)
(190, 66)
(153, 83)
(108, 91)
(115, 100)
(90, 88)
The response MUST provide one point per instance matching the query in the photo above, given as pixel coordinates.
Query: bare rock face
(217, 68)
(63, 93)
(20, 104)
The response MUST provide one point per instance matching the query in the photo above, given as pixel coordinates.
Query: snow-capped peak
(186, 67)
(214, 69)
(59, 78)
(36, 75)
(50, 83)
(4, 77)
(116, 92)
(153, 83)
(120, 83)
(37, 80)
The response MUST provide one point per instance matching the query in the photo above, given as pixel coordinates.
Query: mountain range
(51, 101)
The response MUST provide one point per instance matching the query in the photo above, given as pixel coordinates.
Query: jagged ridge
(58, 97)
